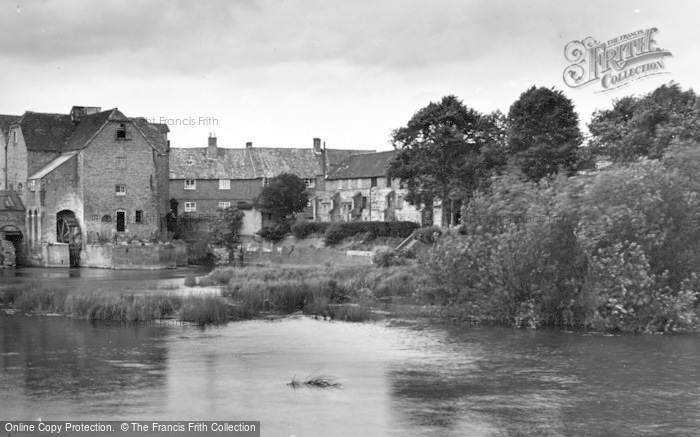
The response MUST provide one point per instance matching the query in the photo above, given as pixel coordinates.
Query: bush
(339, 231)
(274, 233)
(191, 281)
(388, 258)
(302, 230)
(428, 234)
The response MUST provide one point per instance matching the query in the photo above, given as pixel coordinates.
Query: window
(224, 184)
(264, 182)
(310, 183)
(373, 182)
(120, 190)
(122, 134)
(138, 218)
(399, 202)
(224, 205)
(190, 206)
(388, 182)
(31, 185)
(14, 136)
(190, 184)
(121, 221)
(106, 218)
(121, 161)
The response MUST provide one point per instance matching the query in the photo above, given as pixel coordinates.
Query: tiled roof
(53, 165)
(362, 166)
(58, 133)
(5, 122)
(88, 127)
(10, 201)
(247, 163)
(46, 132)
(153, 133)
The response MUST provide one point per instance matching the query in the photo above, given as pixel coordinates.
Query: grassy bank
(341, 293)
(48, 299)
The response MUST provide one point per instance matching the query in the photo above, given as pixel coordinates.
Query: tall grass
(122, 306)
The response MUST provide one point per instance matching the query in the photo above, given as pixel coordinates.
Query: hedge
(304, 229)
(338, 231)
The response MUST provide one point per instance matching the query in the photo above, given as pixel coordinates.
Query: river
(398, 377)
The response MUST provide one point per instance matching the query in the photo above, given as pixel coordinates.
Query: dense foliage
(226, 227)
(283, 195)
(645, 126)
(447, 149)
(304, 229)
(543, 133)
(274, 233)
(618, 250)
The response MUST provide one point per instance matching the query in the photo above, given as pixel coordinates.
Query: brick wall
(207, 194)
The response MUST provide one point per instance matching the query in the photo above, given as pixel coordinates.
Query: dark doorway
(14, 236)
(68, 231)
(121, 221)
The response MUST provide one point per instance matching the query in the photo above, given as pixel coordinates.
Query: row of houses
(343, 185)
(91, 177)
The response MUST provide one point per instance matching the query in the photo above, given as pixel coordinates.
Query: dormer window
(122, 134)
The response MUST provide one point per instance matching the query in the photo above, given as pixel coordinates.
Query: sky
(278, 73)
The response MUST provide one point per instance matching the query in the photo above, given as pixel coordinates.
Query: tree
(283, 195)
(439, 152)
(646, 125)
(226, 228)
(543, 133)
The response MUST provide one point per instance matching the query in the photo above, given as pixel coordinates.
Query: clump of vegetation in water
(321, 381)
(46, 299)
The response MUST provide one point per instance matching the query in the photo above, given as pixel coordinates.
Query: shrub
(428, 234)
(191, 281)
(302, 230)
(274, 233)
(388, 258)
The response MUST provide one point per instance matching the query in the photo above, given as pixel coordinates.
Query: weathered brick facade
(87, 177)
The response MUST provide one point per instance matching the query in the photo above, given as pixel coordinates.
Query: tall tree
(646, 125)
(439, 152)
(543, 133)
(282, 196)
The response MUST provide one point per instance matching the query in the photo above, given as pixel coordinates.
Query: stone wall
(7, 254)
(129, 256)
(101, 171)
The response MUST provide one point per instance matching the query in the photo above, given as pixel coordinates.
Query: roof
(366, 165)
(46, 132)
(88, 127)
(335, 156)
(53, 165)
(5, 122)
(247, 163)
(59, 133)
(153, 133)
(10, 201)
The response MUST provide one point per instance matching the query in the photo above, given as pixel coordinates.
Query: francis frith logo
(616, 62)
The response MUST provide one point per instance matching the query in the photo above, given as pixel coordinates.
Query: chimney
(211, 147)
(77, 113)
(317, 146)
(248, 145)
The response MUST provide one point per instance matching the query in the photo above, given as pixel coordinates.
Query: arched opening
(68, 231)
(14, 235)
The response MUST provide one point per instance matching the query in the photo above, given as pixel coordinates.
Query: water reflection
(415, 379)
